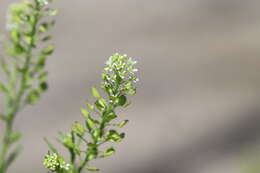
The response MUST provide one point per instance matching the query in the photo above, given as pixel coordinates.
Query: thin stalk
(83, 164)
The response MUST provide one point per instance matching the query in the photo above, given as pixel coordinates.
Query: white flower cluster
(120, 64)
(120, 71)
(43, 2)
(16, 16)
(54, 162)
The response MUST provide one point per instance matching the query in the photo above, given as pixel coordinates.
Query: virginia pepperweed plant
(24, 78)
(85, 142)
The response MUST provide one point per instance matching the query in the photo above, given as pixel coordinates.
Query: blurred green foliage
(23, 67)
(250, 162)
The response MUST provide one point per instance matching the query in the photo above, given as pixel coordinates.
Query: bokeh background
(197, 108)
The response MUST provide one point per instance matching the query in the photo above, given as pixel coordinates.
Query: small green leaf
(123, 123)
(97, 134)
(84, 112)
(53, 12)
(15, 136)
(93, 169)
(95, 93)
(109, 116)
(44, 27)
(127, 104)
(3, 88)
(121, 100)
(15, 36)
(43, 2)
(48, 50)
(33, 97)
(90, 107)
(32, 19)
(92, 151)
(100, 104)
(15, 50)
(19, 49)
(43, 76)
(92, 145)
(132, 91)
(78, 129)
(3, 117)
(47, 38)
(113, 136)
(129, 85)
(109, 152)
(67, 142)
(43, 86)
(90, 123)
(12, 156)
(28, 39)
(51, 146)
(41, 62)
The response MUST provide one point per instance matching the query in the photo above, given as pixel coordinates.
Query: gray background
(197, 107)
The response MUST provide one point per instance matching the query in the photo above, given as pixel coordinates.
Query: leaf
(33, 97)
(18, 49)
(46, 38)
(123, 123)
(91, 156)
(67, 142)
(84, 112)
(96, 134)
(108, 152)
(15, 136)
(95, 93)
(100, 104)
(132, 91)
(12, 156)
(114, 136)
(127, 104)
(92, 169)
(41, 62)
(78, 129)
(118, 79)
(90, 107)
(32, 19)
(43, 2)
(51, 146)
(109, 116)
(15, 36)
(43, 76)
(44, 27)
(48, 50)
(92, 151)
(90, 123)
(43, 86)
(28, 39)
(129, 85)
(53, 12)
(3, 88)
(121, 100)
(3, 117)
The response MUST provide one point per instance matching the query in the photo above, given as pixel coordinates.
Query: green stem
(83, 164)
(72, 154)
(5, 147)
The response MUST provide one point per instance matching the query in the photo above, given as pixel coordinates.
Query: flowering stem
(118, 78)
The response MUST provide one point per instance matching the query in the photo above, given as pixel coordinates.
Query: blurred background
(197, 107)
